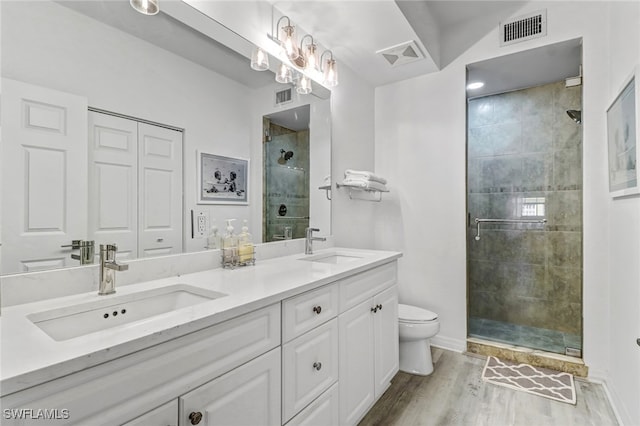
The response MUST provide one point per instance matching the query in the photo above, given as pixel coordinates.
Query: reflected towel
(365, 175)
(365, 184)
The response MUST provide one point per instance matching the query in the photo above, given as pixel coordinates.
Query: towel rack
(362, 191)
(328, 189)
(479, 221)
(291, 217)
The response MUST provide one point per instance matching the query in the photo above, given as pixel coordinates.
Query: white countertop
(29, 356)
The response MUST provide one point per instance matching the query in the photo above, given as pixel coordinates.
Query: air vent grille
(284, 96)
(525, 27)
(401, 54)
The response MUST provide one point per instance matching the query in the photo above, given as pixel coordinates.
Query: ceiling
(356, 31)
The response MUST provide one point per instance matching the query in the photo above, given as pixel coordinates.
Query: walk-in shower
(524, 204)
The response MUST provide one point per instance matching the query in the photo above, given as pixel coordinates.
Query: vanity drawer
(360, 287)
(321, 412)
(308, 310)
(309, 367)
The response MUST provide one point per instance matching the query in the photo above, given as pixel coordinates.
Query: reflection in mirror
(103, 117)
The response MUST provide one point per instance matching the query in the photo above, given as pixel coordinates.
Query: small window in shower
(532, 206)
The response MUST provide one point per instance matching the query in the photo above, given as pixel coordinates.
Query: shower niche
(286, 163)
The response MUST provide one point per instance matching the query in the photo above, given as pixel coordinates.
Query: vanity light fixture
(329, 70)
(259, 59)
(304, 85)
(288, 41)
(284, 74)
(146, 7)
(310, 54)
(475, 85)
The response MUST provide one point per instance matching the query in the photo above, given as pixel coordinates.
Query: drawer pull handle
(195, 417)
(317, 365)
(317, 309)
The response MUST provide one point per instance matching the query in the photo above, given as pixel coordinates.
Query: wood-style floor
(455, 394)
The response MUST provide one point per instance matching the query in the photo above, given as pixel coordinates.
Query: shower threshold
(526, 336)
(537, 358)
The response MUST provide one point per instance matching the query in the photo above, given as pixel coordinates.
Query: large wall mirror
(147, 131)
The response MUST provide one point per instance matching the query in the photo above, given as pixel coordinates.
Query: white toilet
(417, 326)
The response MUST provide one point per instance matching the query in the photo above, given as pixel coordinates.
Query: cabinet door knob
(195, 417)
(317, 365)
(374, 309)
(638, 341)
(317, 309)
(379, 307)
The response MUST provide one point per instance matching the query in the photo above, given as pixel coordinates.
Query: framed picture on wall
(622, 138)
(222, 180)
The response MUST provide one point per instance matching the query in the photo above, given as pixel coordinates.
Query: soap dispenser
(213, 240)
(245, 245)
(229, 246)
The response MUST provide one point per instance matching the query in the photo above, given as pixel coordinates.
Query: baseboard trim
(619, 409)
(449, 343)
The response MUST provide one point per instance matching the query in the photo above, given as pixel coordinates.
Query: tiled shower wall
(525, 162)
(285, 183)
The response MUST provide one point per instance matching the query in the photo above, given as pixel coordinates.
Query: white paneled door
(113, 182)
(160, 183)
(135, 187)
(44, 176)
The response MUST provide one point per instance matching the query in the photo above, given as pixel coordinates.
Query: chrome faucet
(308, 244)
(86, 251)
(108, 268)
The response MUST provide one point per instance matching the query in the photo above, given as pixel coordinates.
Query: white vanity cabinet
(164, 415)
(121, 390)
(248, 395)
(368, 330)
(310, 356)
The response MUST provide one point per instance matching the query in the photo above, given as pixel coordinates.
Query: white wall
(121, 73)
(420, 146)
(624, 226)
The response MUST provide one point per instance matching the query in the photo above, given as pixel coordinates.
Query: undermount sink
(79, 320)
(332, 257)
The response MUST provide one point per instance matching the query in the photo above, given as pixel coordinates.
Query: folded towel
(365, 184)
(365, 175)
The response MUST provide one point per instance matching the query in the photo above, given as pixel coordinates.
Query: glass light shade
(311, 58)
(289, 42)
(284, 74)
(304, 85)
(259, 59)
(330, 73)
(147, 7)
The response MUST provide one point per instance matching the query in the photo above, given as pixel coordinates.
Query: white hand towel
(365, 184)
(364, 174)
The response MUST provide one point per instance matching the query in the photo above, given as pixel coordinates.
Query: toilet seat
(414, 314)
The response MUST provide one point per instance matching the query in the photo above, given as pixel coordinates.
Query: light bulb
(311, 58)
(331, 73)
(284, 74)
(259, 59)
(289, 43)
(304, 85)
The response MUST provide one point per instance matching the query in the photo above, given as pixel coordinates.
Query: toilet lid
(411, 313)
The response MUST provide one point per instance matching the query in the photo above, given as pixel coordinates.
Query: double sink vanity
(298, 339)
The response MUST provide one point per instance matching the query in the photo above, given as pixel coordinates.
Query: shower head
(575, 115)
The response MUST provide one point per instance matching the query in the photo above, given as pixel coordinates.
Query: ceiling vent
(284, 96)
(525, 27)
(401, 54)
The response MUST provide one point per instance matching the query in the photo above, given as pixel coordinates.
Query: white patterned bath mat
(538, 381)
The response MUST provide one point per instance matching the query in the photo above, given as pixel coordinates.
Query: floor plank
(456, 395)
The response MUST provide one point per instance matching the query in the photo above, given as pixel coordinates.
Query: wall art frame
(222, 180)
(623, 121)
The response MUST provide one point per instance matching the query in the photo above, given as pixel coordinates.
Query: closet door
(44, 176)
(160, 183)
(113, 183)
